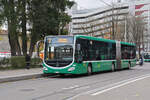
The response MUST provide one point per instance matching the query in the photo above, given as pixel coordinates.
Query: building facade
(142, 8)
(98, 22)
(107, 21)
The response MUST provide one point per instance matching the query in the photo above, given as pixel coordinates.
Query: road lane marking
(81, 88)
(120, 85)
(71, 87)
(106, 87)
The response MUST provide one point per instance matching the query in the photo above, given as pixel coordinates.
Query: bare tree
(114, 18)
(105, 26)
(135, 30)
(88, 26)
(108, 23)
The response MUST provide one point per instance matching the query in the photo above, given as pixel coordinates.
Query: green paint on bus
(75, 54)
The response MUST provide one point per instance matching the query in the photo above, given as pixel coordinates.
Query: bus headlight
(44, 68)
(71, 69)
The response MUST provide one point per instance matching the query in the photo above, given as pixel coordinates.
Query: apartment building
(98, 22)
(101, 22)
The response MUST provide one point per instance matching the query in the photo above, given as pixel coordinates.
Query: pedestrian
(141, 60)
(27, 61)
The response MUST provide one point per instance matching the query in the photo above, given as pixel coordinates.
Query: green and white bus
(84, 54)
(146, 56)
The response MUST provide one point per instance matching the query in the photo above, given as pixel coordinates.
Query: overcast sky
(87, 4)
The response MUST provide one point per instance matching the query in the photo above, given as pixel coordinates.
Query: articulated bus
(84, 54)
(146, 56)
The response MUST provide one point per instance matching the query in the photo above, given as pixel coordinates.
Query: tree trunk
(12, 27)
(32, 44)
(11, 41)
(18, 49)
(23, 25)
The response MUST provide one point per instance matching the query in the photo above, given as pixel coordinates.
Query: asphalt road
(94, 87)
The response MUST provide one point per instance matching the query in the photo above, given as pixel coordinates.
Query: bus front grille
(58, 63)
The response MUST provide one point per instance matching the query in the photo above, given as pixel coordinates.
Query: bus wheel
(129, 66)
(89, 70)
(113, 67)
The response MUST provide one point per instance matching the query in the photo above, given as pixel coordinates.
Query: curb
(20, 77)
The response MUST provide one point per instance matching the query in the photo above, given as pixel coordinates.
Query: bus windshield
(59, 51)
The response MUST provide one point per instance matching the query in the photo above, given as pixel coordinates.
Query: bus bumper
(73, 69)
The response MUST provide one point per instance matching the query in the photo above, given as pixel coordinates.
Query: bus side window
(83, 49)
(113, 51)
(110, 51)
(124, 52)
(98, 55)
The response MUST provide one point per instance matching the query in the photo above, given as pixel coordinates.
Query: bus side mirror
(40, 49)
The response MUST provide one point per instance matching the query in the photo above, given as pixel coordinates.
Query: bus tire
(129, 65)
(89, 69)
(113, 67)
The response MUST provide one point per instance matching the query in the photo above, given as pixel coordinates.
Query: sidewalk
(20, 74)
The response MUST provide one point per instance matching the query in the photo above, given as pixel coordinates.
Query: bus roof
(127, 43)
(102, 39)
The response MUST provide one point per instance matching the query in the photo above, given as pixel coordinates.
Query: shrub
(5, 62)
(35, 62)
(18, 62)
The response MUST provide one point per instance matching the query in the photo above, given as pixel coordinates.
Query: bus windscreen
(59, 51)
